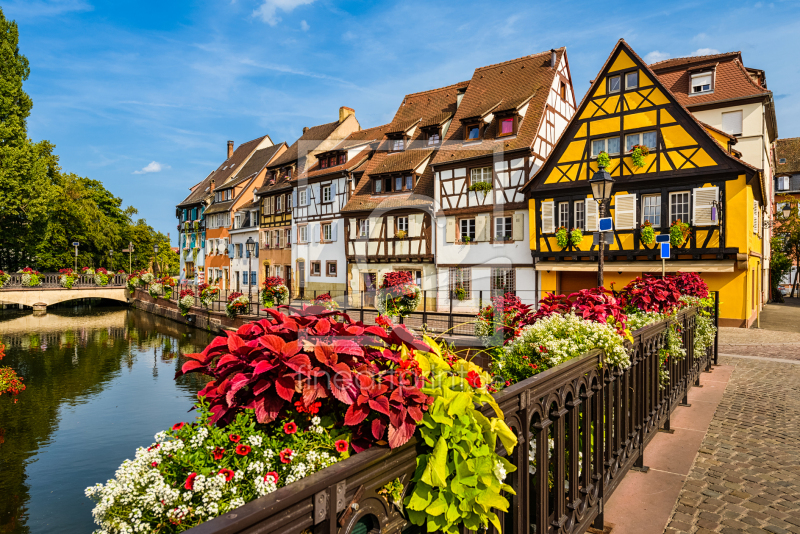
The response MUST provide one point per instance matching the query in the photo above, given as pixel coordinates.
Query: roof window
(701, 83)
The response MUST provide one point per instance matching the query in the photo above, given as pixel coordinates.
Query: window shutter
(548, 226)
(374, 227)
(230, 251)
(246, 253)
(481, 228)
(390, 226)
(334, 225)
(256, 251)
(315, 192)
(625, 212)
(732, 122)
(414, 225)
(333, 191)
(755, 216)
(701, 210)
(518, 229)
(450, 232)
(294, 198)
(591, 214)
(353, 223)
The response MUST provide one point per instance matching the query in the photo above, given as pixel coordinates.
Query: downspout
(765, 249)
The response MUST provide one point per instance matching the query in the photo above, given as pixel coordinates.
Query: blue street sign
(605, 224)
(662, 238)
(665, 251)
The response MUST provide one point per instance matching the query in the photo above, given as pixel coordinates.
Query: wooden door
(369, 281)
(301, 279)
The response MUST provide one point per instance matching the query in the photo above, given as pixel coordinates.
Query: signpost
(664, 246)
(76, 244)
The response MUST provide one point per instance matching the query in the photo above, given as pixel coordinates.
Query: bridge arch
(48, 297)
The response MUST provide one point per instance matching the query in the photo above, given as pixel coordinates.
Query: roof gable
(683, 146)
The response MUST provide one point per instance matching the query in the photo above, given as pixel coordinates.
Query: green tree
(787, 230)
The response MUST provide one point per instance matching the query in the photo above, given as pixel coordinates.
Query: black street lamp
(601, 183)
(111, 259)
(787, 210)
(251, 247)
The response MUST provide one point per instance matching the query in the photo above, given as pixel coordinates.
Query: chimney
(552, 58)
(345, 112)
(230, 149)
(305, 129)
(211, 187)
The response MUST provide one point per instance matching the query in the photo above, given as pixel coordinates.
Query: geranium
(30, 277)
(290, 428)
(274, 292)
(398, 294)
(474, 379)
(237, 303)
(101, 276)
(208, 294)
(66, 278)
(326, 301)
(385, 322)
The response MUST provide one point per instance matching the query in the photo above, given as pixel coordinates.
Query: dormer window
(323, 164)
(472, 132)
(701, 83)
(433, 138)
(342, 158)
(396, 184)
(398, 144)
(632, 80)
(506, 126)
(614, 84)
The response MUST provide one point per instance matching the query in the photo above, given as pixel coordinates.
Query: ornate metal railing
(53, 281)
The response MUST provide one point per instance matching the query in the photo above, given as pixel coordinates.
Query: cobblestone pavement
(746, 476)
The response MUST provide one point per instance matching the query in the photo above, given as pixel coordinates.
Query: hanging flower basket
(208, 294)
(638, 155)
(237, 304)
(485, 187)
(460, 294)
(575, 237)
(647, 234)
(155, 290)
(603, 160)
(398, 294)
(562, 237)
(168, 283)
(186, 301)
(274, 293)
(679, 232)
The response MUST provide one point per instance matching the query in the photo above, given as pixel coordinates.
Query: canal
(100, 383)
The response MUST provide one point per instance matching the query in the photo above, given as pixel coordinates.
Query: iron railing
(53, 281)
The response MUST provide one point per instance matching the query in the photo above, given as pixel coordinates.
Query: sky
(144, 95)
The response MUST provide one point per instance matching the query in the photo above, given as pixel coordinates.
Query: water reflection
(99, 384)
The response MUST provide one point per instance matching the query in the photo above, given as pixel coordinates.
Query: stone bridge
(40, 298)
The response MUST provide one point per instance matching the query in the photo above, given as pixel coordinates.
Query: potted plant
(398, 294)
(679, 232)
(237, 303)
(66, 279)
(208, 294)
(274, 293)
(603, 160)
(4, 277)
(401, 234)
(155, 289)
(168, 283)
(562, 238)
(485, 187)
(647, 234)
(460, 293)
(186, 301)
(101, 277)
(30, 277)
(465, 239)
(638, 155)
(575, 237)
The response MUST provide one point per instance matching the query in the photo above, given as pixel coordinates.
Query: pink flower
(286, 456)
(189, 484)
(271, 477)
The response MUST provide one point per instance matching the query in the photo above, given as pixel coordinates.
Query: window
(701, 82)
(651, 209)
(288, 202)
(507, 126)
(503, 228)
(632, 80)
(782, 161)
(398, 183)
(323, 164)
(580, 214)
(562, 90)
(342, 159)
(502, 281)
(288, 237)
(563, 214)
(610, 146)
(363, 228)
(332, 161)
(679, 207)
(467, 230)
(279, 271)
(398, 144)
(387, 185)
(473, 132)
(330, 268)
(377, 186)
(783, 183)
(276, 238)
(327, 232)
(302, 234)
(647, 139)
(402, 224)
(433, 138)
(732, 122)
(316, 268)
(613, 84)
(279, 203)
(409, 183)
(460, 278)
(326, 193)
(303, 196)
(482, 174)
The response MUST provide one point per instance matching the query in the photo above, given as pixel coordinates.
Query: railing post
(361, 312)
(425, 307)
(716, 325)
(450, 316)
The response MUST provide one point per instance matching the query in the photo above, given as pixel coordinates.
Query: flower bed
(208, 294)
(30, 277)
(398, 294)
(274, 292)
(67, 277)
(237, 303)
(185, 301)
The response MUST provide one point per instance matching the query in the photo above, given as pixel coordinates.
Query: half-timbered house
(681, 173)
(315, 205)
(390, 217)
(508, 119)
(275, 235)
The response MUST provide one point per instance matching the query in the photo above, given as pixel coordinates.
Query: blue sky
(144, 95)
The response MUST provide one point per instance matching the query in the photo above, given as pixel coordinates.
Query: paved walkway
(746, 475)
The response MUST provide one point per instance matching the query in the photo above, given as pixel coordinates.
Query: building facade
(686, 176)
(787, 187)
(275, 234)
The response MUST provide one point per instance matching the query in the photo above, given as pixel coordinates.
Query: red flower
(474, 379)
(228, 474)
(534, 366)
(177, 426)
(189, 484)
(286, 456)
(290, 428)
(242, 450)
(235, 438)
(543, 349)
(154, 464)
(218, 453)
(313, 409)
(272, 477)
(342, 445)
(384, 321)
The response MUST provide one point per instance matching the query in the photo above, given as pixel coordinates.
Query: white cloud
(656, 55)
(304, 25)
(705, 52)
(268, 11)
(153, 166)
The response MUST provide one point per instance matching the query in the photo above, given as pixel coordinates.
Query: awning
(698, 266)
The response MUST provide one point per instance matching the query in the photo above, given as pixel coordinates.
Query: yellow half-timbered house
(690, 173)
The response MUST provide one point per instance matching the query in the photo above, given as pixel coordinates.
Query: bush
(501, 321)
(274, 293)
(651, 294)
(237, 303)
(398, 294)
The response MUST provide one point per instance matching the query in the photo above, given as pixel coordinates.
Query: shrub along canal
(100, 382)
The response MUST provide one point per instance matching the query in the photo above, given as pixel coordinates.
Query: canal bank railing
(53, 281)
(581, 427)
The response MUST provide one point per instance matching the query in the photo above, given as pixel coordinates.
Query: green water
(100, 382)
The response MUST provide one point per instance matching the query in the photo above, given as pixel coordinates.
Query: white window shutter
(591, 214)
(389, 226)
(353, 228)
(450, 232)
(704, 198)
(294, 198)
(625, 212)
(374, 227)
(334, 225)
(481, 228)
(518, 229)
(316, 193)
(548, 225)
(333, 191)
(755, 216)
(414, 225)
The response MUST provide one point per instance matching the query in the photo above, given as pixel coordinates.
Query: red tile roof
(314, 134)
(789, 149)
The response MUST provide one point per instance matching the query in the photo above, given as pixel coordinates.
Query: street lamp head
(110, 253)
(601, 183)
(155, 249)
(787, 210)
(250, 244)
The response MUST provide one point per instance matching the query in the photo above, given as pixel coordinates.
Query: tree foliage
(786, 243)
(44, 210)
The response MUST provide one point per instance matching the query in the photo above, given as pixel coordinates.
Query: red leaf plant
(597, 304)
(273, 281)
(691, 284)
(187, 293)
(651, 294)
(324, 361)
(506, 315)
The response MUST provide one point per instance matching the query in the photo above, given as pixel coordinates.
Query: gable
(617, 112)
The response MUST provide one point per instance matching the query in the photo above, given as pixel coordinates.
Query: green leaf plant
(460, 481)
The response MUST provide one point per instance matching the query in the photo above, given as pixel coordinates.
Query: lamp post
(130, 256)
(787, 210)
(601, 183)
(155, 257)
(76, 244)
(111, 259)
(251, 247)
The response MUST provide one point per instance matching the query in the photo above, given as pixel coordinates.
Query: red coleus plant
(66, 271)
(399, 283)
(506, 315)
(651, 294)
(101, 270)
(691, 284)
(597, 304)
(325, 297)
(325, 361)
(233, 296)
(187, 293)
(273, 281)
